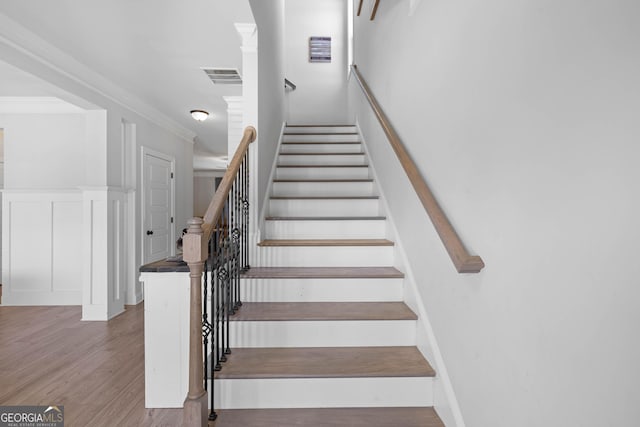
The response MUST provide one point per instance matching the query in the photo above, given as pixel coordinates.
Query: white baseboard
(445, 401)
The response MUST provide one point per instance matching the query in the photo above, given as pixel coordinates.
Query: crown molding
(19, 40)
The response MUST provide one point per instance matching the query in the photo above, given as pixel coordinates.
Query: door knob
(149, 232)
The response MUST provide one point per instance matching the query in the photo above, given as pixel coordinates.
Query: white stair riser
(323, 188)
(325, 256)
(321, 138)
(324, 207)
(340, 159)
(321, 290)
(322, 172)
(347, 333)
(355, 147)
(320, 129)
(323, 392)
(324, 229)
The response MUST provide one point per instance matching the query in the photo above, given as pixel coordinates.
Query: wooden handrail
(463, 261)
(289, 83)
(220, 197)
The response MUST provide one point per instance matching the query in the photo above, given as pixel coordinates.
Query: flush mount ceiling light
(199, 115)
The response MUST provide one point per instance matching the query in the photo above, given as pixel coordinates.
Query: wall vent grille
(223, 76)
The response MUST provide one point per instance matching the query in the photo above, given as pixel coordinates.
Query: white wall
(204, 187)
(522, 117)
(45, 150)
(42, 206)
(269, 17)
(321, 92)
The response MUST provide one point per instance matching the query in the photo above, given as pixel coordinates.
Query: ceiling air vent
(224, 76)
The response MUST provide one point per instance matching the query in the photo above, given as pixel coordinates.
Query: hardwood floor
(95, 369)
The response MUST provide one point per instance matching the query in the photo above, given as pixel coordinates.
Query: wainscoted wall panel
(67, 224)
(42, 235)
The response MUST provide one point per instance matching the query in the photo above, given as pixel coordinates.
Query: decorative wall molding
(248, 33)
(42, 243)
(51, 63)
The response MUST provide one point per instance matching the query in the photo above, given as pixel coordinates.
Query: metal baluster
(220, 295)
(246, 164)
(232, 224)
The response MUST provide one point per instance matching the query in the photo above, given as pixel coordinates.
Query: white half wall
(321, 94)
(42, 246)
(522, 117)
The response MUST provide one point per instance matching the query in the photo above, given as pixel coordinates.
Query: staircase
(323, 337)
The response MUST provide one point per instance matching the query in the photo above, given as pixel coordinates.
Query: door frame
(145, 151)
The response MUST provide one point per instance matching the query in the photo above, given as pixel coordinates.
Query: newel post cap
(194, 248)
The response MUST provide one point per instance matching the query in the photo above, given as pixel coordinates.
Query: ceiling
(153, 49)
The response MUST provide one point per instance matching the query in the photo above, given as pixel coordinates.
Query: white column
(249, 35)
(103, 291)
(234, 123)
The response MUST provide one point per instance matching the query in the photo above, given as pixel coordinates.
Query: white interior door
(158, 207)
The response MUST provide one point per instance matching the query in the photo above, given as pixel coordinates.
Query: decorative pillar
(249, 35)
(195, 252)
(235, 123)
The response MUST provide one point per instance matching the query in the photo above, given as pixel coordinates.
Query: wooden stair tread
(318, 311)
(325, 362)
(320, 133)
(325, 197)
(323, 166)
(322, 273)
(326, 242)
(325, 218)
(324, 180)
(320, 142)
(356, 153)
(329, 417)
(320, 126)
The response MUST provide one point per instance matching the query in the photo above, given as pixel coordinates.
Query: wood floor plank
(95, 369)
(330, 417)
(317, 311)
(325, 362)
(322, 272)
(327, 242)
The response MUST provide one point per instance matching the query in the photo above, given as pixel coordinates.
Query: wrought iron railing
(217, 245)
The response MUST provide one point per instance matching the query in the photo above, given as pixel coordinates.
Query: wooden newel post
(195, 252)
